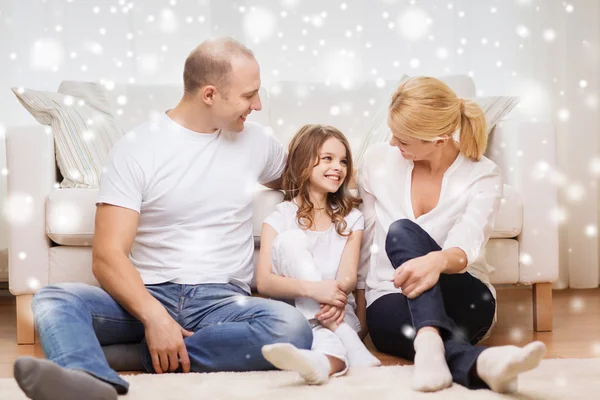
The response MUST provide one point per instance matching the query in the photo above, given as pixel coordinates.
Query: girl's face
(329, 174)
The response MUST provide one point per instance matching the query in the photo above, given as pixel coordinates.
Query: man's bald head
(210, 64)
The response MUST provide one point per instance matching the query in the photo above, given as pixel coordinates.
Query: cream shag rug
(554, 379)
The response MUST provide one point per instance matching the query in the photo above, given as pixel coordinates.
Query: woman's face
(411, 148)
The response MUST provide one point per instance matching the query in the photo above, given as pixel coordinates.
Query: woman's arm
(361, 312)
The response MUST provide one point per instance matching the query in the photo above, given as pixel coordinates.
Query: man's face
(240, 97)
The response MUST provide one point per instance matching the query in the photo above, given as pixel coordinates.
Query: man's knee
(59, 295)
(288, 325)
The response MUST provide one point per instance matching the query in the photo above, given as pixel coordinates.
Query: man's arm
(114, 234)
(115, 231)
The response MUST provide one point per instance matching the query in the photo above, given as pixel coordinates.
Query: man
(172, 248)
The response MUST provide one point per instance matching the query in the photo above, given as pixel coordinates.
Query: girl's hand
(419, 274)
(328, 292)
(330, 317)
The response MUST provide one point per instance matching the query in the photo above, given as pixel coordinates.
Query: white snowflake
(260, 24)
(575, 192)
(549, 35)
(46, 54)
(33, 284)
(168, 21)
(522, 31)
(591, 230)
(564, 114)
(413, 23)
(18, 208)
(408, 331)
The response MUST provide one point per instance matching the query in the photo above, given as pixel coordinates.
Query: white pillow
(496, 108)
(83, 125)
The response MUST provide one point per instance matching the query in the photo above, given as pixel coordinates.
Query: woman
(429, 206)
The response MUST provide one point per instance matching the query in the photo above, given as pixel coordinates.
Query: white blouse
(469, 200)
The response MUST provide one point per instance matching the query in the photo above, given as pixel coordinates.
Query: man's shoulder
(139, 139)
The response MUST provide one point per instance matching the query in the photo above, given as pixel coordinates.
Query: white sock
(312, 366)
(500, 366)
(431, 370)
(358, 355)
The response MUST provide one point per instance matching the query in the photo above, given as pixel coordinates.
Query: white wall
(540, 50)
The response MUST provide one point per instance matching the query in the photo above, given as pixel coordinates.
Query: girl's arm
(348, 268)
(273, 285)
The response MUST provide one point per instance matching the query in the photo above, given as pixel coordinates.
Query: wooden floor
(576, 331)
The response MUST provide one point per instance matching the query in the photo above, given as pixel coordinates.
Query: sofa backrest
(286, 105)
(354, 111)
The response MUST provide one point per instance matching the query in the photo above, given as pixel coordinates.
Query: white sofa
(54, 245)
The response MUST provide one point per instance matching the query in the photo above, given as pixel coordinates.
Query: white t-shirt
(194, 193)
(326, 246)
(469, 199)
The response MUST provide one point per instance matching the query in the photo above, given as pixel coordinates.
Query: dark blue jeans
(230, 327)
(459, 305)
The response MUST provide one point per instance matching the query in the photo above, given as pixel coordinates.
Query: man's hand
(164, 338)
(328, 292)
(330, 317)
(419, 274)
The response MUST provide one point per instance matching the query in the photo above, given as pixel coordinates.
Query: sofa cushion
(70, 214)
(509, 220)
(74, 264)
(503, 256)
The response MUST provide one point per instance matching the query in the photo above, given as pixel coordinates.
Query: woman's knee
(401, 231)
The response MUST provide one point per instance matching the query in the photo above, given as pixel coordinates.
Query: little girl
(309, 253)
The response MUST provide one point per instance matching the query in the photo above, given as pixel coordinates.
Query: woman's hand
(328, 292)
(419, 274)
(330, 317)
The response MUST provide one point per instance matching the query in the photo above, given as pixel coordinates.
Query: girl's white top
(326, 246)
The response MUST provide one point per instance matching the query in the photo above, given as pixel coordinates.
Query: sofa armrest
(525, 151)
(31, 176)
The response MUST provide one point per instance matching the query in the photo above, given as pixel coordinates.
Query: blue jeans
(230, 327)
(459, 305)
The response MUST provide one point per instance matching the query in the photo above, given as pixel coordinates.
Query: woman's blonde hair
(426, 108)
(303, 156)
